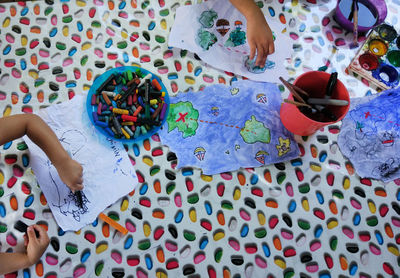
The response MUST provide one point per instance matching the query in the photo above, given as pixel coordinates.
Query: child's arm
(10, 262)
(259, 35)
(40, 133)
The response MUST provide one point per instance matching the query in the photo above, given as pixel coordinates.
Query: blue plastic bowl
(93, 108)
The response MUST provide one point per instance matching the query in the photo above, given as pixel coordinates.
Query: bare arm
(40, 133)
(10, 262)
(259, 35)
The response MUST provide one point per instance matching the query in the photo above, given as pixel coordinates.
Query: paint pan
(393, 57)
(378, 60)
(378, 47)
(386, 74)
(368, 61)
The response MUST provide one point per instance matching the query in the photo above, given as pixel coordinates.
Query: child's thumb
(31, 234)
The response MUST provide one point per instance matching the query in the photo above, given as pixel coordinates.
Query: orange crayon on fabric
(113, 223)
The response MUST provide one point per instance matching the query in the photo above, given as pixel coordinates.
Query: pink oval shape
(208, 79)
(260, 262)
(348, 232)
(110, 32)
(244, 215)
(315, 246)
(123, 14)
(234, 244)
(54, 20)
(396, 221)
(16, 73)
(178, 200)
(312, 268)
(168, 54)
(144, 46)
(67, 62)
(163, 70)
(3, 96)
(10, 38)
(226, 176)
(199, 258)
(140, 274)
(98, 52)
(155, 137)
(171, 246)
(355, 204)
(51, 260)
(374, 249)
(61, 78)
(289, 190)
(116, 257)
(79, 272)
(151, 13)
(287, 235)
(11, 240)
(44, 53)
(129, 225)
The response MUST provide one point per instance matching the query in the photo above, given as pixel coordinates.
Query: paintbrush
(354, 10)
(297, 103)
(292, 90)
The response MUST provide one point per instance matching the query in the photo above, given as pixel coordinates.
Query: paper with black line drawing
(216, 31)
(369, 135)
(105, 165)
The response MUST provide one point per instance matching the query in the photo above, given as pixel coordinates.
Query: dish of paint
(128, 104)
(378, 60)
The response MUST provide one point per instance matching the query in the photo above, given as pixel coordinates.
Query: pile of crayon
(129, 104)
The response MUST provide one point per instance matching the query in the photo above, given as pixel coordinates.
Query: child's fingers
(261, 56)
(31, 234)
(41, 230)
(26, 241)
(271, 48)
(79, 186)
(252, 50)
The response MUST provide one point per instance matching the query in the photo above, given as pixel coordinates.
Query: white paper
(226, 51)
(107, 171)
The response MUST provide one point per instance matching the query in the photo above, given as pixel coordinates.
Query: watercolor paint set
(378, 59)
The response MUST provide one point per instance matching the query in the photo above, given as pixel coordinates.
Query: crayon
(22, 227)
(113, 223)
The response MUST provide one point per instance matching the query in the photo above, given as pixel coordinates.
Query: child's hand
(70, 173)
(259, 37)
(35, 246)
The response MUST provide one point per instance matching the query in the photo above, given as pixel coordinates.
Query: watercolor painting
(224, 128)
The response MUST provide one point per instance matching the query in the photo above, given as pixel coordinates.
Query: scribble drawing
(236, 37)
(74, 142)
(205, 39)
(387, 169)
(207, 18)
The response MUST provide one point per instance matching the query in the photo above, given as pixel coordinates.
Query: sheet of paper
(369, 136)
(107, 171)
(216, 31)
(224, 128)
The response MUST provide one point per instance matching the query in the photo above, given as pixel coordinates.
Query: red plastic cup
(314, 83)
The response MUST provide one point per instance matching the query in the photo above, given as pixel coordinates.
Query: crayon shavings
(378, 59)
(224, 128)
(311, 216)
(84, 145)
